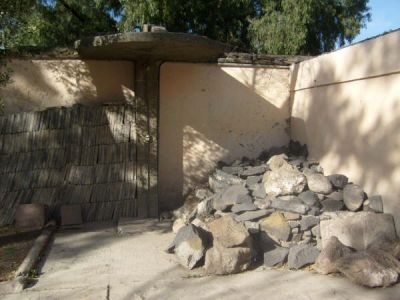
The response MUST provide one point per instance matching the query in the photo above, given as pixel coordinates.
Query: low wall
(41, 83)
(210, 113)
(346, 108)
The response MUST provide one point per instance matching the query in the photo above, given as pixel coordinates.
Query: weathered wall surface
(38, 84)
(346, 107)
(210, 113)
(79, 155)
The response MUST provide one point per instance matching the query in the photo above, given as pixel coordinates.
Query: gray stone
(228, 178)
(353, 197)
(203, 193)
(376, 203)
(286, 180)
(317, 183)
(358, 230)
(317, 169)
(288, 197)
(276, 227)
(263, 203)
(232, 170)
(295, 230)
(329, 205)
(326, 260)
(178, 224)
(222, 261)
(277, 161)
(251, 181)
(252, 227)
(291, 216)
(295, 206)
(251, 171)
(294, 224)
(364, 269)
(309, 198)
(302, 255)
(276, 257)
(259, 191)
(228, 232)
(339, 181)
(234, 194)
(242, 207)
(216, 185)
(189, 245)
(253, 215)
(308, 222)
(314, 211)
(338, 196)
(316, 231)
(382, 242)
(205, 207)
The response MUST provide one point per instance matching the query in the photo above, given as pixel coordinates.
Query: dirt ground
(14, 246)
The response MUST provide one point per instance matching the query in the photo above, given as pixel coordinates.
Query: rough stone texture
(363, 268)
(316, 231)
(330, 205)
(189, 245)
(205, 207)
(222, 261)
(317, 183)
(277, 161)
(284, 181)
(228, 232)
(275, 257)
(252, 227)
(295, 206)
(302, 255)
(358, 230)
(203, 193)
(252, 215)
(252, 171)
(339, 181)
(338, 196)
(353, 197)
(308, 222)
(252, 181)
(178, 224)
(30, 216)
(376, 203)
(237, 208)
(259, 191)
(291, 216)
(263, 203)
(232, 195)
(333, 250)
(388, 245)
(276, 226)
(309, 198)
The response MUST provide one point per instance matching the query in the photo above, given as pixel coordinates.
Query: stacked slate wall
(79, 155)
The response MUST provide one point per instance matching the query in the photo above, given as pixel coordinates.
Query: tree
(224, 20)
(306, 26)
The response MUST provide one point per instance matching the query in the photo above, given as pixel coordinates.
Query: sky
(385, 16)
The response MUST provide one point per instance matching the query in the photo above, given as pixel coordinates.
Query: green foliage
(307, 26)
(271, 26)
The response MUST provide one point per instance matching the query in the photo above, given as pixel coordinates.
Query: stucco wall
(38, 84)
(346, 107)
(210, 113)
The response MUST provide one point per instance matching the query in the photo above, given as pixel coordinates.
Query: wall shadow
(352, 127)
(210, 113)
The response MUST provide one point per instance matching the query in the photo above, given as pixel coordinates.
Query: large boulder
(285, 180)
(357, 230)
(353, 197)
(229, 233)
(326, 260)
(366, 268)
(276, 227)
(302, 255)
(277, 161)
(223, 261)
(317, 183)
(189, 245)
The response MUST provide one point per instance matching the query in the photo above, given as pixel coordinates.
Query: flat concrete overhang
(164, 46)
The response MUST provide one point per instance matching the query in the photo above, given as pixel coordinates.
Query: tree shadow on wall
(353, 127)
(210, 113)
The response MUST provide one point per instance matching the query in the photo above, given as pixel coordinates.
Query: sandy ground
(96, 263)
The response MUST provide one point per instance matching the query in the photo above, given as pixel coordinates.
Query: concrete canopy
(164, 46)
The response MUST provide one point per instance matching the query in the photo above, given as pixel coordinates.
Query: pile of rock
(280, 209)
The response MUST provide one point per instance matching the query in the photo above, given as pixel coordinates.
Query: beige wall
(37, 84)
(210, 113)
(346, 107)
